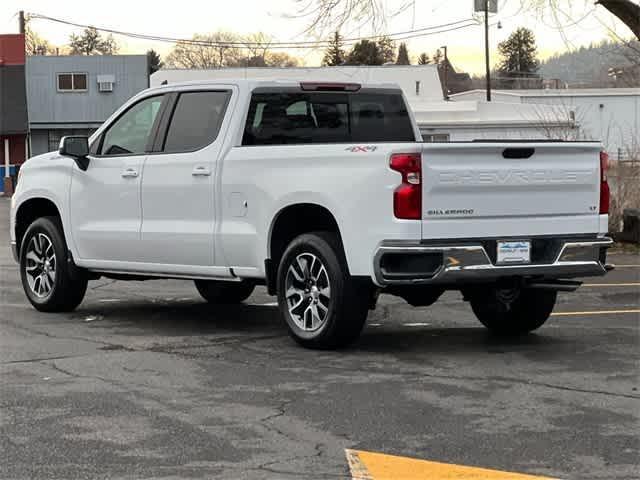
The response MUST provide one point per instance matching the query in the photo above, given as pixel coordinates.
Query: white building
(419, 81)
(438, 119)
(479, 120)
(611, 115)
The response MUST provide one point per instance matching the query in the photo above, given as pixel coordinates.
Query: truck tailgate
(510, 189)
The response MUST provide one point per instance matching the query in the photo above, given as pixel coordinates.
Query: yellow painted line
(632, 284)
(596, 312)
(378, 466)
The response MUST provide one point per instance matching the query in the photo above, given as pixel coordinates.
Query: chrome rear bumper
(470, 262)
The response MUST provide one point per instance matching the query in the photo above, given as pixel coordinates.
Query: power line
(421, 32)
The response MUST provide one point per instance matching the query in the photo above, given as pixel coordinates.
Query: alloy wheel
(40, 265)
(308, 292)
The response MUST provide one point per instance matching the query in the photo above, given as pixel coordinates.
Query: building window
(435, 137)
(72, 82)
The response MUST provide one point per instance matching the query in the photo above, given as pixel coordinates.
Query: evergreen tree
(403, 55)
(334, 54)
(387, 50)
(154, 63)
(424, 59)
(519, 56)
(91, 42)
(365, 52)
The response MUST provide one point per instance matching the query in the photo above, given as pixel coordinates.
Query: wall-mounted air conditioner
(105, 83)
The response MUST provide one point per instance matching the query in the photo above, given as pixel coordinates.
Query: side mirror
(76, 147)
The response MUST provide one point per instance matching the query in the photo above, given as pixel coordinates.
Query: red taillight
(604, 184)
(407, 198)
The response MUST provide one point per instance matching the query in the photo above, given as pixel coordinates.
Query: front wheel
(322, 305)
(512, 311)
(48, 279)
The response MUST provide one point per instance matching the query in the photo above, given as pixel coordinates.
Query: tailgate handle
(518, 152)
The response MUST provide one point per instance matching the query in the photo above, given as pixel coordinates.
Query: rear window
(327, 117)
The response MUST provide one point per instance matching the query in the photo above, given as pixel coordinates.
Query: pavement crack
(102, 285)
(90, 377)
(43, 359)
(34, 331)
(65, 372)
(417, 376)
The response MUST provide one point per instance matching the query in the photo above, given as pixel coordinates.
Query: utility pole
(21, 21)
(446, 73)
(486, 49)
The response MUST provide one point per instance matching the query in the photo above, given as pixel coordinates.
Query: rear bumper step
(397, 263)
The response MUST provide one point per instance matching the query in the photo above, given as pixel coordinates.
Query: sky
(278, 18)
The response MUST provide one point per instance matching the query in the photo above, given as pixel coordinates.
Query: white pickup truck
(324, 193)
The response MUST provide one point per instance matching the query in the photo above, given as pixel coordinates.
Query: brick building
(14, 123)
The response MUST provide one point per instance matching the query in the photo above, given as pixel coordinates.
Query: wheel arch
(29, 211)
(291, 221)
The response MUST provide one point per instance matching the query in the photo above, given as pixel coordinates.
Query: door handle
(200, 171)
(130, 173)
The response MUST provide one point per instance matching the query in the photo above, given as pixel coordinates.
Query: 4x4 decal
(362, 148)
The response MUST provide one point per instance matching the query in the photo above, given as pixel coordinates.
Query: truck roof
(251, 84)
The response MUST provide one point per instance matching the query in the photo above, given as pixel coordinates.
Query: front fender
(47, 177)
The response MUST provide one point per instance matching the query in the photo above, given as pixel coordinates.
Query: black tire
(512, 312)
(69, 285)
(347, 303)
(218, 292)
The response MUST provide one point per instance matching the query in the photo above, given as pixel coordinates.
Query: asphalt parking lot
(145, 380)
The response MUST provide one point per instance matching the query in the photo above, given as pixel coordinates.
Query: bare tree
(624, 180)
(280, 59)
(331, 15)
(559, 122)
(34, 44)
(257, 45)
(212, 50)
(325, 15)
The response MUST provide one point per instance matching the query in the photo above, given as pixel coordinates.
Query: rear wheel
(218, 292)
(50, 281)
(512, 311)
(322, 305)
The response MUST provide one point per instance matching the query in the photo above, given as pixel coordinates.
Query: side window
(129, 134)
(196, 120)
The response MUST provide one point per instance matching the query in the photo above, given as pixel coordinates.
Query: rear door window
(196, 120)
(282, 118)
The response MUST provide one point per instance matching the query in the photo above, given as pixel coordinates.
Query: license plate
(514, 252)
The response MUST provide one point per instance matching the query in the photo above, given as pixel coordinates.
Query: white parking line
(596, 312)
(416, 324)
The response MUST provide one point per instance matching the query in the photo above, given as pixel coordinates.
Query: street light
(486, 49)
(487, 6)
